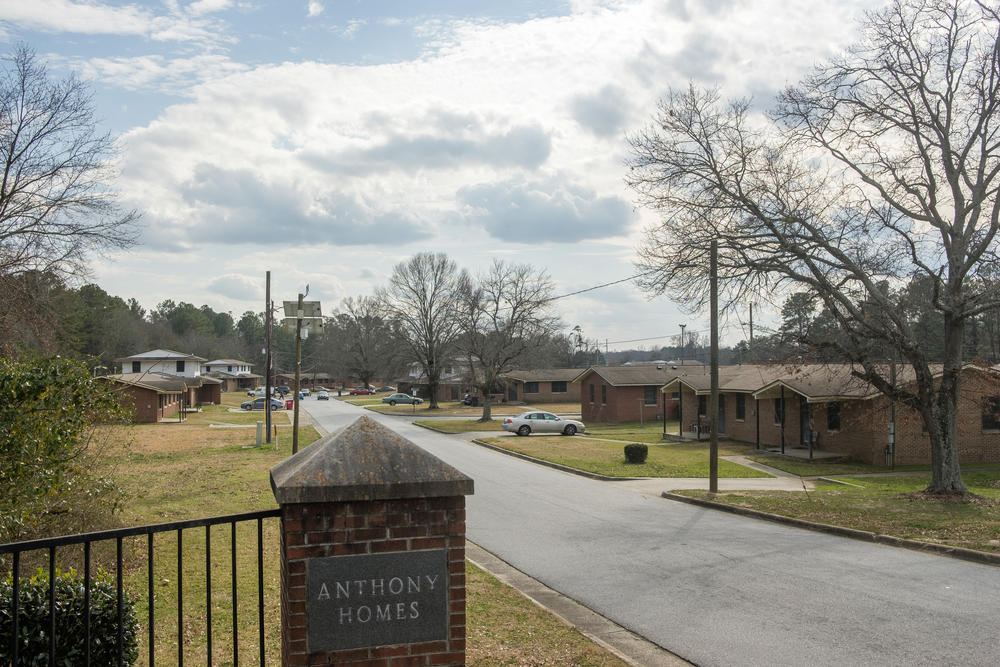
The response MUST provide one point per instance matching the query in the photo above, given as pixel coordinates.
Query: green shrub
(636, 453)
(33, 621)
(54, 419)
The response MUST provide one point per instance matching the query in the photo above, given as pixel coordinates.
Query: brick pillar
(372, 552)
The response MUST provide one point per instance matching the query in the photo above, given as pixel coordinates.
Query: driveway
(714, 588)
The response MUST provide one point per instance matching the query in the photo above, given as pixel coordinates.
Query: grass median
(608, 458)
(887, 505)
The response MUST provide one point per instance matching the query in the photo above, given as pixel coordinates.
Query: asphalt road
(713, 588)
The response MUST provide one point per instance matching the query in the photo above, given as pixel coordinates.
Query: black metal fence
(17, 549)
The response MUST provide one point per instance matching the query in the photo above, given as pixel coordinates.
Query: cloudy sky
(328, 140)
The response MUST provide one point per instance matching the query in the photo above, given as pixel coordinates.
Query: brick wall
(545, 393)
(865, 427)
(316, 530)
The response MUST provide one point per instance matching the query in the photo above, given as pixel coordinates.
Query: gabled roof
(738, 379)
(817, 383)
(228, 362)
(234, 374)
(544, 374)
(158, 355)
(632, 376)
(161, 384)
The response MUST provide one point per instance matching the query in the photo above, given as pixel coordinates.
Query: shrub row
(33, 621)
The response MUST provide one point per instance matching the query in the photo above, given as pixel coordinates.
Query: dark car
(283, 389)
(258, 404)
(386, 388)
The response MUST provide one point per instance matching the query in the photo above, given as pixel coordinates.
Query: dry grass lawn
(178, 471)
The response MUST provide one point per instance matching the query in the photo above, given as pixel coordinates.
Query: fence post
(372, 551)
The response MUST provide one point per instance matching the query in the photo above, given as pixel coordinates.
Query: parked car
(283, 389)
(305, 391)
(542, 422)
(361, 391)
(258, 404)
(320, 389)
(402, 398)
(386, 388)
(322, 396)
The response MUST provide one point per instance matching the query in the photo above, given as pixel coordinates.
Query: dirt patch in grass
(960, 498)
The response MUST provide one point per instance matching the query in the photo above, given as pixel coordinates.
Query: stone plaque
(376, 600)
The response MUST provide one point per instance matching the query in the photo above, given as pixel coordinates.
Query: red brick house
(545, 385)
(152, 397)
(308, 380)
(625, 393)
(200, 389)
(828, 409)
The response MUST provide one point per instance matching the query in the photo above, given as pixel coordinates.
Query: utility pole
(751, 333)
(298, 372)
(713, 409)
(267, 358)
(682, 341)
(302, 316)
(891, 449)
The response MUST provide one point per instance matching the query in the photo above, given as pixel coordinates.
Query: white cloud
(209, 6)
(173, 76)
(237, 286)
(314, 8)
(496, 133)
(452, 140)
(350, 31)
(95, 18)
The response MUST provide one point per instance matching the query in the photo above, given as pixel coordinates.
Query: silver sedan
(542, 422)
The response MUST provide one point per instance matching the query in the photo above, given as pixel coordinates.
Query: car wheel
(524, 430)
(570, 429)
(392, 402)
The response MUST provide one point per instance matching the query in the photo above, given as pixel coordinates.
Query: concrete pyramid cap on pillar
(364, 461)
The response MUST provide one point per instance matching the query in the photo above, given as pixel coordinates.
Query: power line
(596, 287)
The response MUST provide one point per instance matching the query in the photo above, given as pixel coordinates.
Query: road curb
(629, 646)
(961, 553)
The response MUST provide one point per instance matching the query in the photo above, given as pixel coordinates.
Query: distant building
(166, 372)
(236, 375)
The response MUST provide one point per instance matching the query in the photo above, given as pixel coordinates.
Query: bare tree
(503, 317)
(366, 343)
(56, 207)
(880, 167)
(422, 296)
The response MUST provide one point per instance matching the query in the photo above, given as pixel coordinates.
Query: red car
(360, 391)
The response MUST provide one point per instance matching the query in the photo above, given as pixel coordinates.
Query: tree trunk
(946, 475)
(432, 389)
(487, 408)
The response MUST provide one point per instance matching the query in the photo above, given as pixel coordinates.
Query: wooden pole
(713, 447)
(298, 374)
(267, 357)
